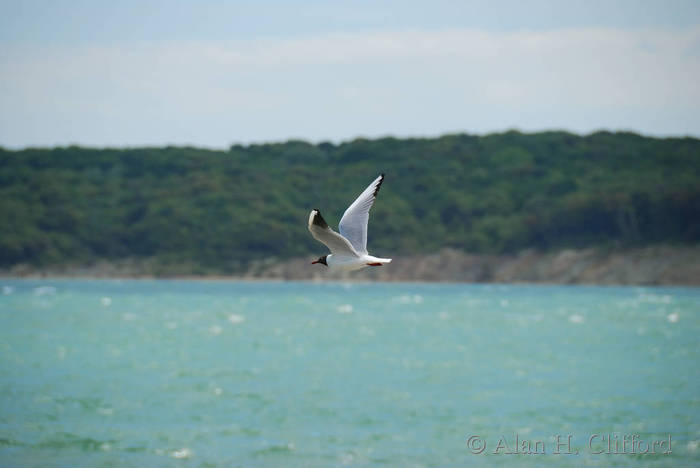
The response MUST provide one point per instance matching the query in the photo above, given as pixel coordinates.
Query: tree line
(215, 211)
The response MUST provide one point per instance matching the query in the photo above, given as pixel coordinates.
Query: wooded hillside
(216, 210)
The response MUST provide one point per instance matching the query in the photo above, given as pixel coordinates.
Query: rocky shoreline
(658, 265)
(654, 265)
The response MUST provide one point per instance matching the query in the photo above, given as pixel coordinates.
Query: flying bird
(349, 248)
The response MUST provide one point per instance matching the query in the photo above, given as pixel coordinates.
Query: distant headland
(541, 207)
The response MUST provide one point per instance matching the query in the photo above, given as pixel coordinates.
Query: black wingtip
(379, 185)
(318, 220)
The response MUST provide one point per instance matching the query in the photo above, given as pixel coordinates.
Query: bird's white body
(348, 263)
(349, 247)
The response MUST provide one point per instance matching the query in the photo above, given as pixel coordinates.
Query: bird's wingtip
(316, 219)
(379, 184)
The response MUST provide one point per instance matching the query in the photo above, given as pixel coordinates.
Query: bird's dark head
(321, 260)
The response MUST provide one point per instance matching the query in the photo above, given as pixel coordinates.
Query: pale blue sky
(212, 73)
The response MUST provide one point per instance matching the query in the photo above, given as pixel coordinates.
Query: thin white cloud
(341, 85)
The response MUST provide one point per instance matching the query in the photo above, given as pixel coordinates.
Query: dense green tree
(213, 211)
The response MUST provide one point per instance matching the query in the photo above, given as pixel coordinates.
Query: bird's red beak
(315, 261)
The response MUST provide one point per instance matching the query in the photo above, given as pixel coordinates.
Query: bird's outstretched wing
(337, 244)
(353, 224)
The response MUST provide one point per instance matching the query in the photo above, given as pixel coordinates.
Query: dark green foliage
(218, 210)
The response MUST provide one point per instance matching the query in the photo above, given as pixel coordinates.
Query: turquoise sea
(215, 373)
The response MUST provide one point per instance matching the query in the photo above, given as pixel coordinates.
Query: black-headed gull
(349, 248)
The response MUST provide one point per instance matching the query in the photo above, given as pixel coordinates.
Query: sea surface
(264, 374)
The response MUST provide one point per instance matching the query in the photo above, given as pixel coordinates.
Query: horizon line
(349, 140)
